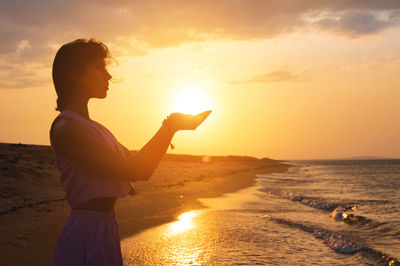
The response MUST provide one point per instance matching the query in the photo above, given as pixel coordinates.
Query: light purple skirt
(89, 238)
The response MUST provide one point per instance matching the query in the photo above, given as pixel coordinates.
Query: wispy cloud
(31, 30)
(357, 23)
(23, 75)
(276, 76)
(151, 23)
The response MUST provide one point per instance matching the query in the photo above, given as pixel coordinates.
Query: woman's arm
(152, 153)
(75, 141)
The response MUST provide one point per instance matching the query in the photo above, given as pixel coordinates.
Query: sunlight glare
(191, 100)
(184, 223)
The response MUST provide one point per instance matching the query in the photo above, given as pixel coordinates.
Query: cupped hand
(179, 121)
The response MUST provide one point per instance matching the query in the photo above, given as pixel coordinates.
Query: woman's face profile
(95, 80)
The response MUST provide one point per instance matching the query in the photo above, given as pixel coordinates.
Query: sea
(325, 212)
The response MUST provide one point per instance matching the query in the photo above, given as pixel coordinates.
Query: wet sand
(33, 208)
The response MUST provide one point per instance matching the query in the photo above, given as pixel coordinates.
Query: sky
(285, 79)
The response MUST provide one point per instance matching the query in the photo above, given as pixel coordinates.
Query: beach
(34, 210)
(328, 212)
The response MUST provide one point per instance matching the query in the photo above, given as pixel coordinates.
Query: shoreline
(168, 205)
(34, 209)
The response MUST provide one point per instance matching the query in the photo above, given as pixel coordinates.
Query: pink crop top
(79, 183)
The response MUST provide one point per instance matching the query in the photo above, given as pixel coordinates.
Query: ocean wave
(317, 203)
(338, 242)
(341, 214)
(338, 211)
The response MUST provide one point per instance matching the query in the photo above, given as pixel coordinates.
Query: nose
(108, 76)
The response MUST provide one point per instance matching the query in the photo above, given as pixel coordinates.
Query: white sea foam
(339, 214)
(338, 242)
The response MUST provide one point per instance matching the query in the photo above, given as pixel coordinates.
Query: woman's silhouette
(95, 168)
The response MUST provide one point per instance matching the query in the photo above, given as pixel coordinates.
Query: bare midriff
(99, 205)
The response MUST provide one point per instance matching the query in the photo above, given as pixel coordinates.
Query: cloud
(276, 76)
(32, 30)
(155, 24)
(23, 75)
(358, 23)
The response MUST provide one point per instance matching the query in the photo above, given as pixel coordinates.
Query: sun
(191, 100)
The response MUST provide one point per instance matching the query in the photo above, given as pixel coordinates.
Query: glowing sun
(191, 101)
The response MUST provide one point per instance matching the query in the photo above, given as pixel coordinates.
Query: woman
(95, 168)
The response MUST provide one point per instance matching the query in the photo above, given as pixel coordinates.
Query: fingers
(202, 116)
(205, 112)
(187, 121)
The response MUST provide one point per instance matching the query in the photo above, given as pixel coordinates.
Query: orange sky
(310, 79)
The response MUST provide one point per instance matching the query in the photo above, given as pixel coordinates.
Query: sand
(33, 208)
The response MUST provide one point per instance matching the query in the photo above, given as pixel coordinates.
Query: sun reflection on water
(187, 241)
(187, 248)
(184, 223)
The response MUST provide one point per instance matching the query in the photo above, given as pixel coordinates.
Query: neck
(80, 106)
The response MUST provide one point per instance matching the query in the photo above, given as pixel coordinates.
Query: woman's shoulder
(62, 123)
(63, 127)
(68, 121)
(71, 138)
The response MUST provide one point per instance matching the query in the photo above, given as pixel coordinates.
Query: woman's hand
(179, 121)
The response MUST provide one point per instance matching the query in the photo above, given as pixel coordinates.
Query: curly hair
(70, 62)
